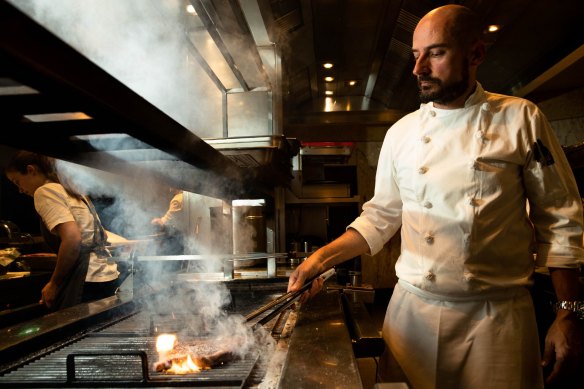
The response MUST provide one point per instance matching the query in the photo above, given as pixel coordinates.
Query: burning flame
(183, 365)
(174, 365)
(165, 343)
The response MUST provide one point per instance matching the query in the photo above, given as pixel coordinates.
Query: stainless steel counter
(320, 353)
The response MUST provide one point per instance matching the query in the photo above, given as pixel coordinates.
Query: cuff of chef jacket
(571, 257)
(369, 233)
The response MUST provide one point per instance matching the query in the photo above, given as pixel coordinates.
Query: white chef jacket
(457, 182)
(55, 206)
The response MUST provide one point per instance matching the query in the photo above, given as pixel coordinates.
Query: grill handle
(71, 364)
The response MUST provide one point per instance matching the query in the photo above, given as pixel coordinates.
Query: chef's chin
(443, 94)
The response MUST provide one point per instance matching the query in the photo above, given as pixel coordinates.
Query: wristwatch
(575, 306)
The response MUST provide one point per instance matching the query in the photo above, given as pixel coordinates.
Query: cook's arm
(564, 340)
(66, 257)
(345, 247)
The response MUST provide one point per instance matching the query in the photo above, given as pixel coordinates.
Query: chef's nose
(421, 65)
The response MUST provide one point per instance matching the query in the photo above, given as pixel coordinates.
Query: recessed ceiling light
(327, 65)
(493, 28)
(329, 79)
(352, 83)
(328, 92)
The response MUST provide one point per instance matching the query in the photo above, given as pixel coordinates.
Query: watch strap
(575, 306)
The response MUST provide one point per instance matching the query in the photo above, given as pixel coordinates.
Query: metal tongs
(285, 300)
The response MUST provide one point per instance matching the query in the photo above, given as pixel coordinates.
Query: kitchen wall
(566, 115)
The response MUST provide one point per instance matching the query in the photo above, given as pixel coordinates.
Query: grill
(118, 350)
(111, 358)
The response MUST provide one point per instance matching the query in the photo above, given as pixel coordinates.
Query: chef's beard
(446, 93)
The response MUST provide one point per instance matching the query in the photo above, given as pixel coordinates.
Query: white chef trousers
(483, 343)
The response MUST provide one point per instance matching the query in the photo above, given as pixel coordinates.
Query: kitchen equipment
(115, 345)
(39, 262)
(249, 229)
(355, 278)
(8, 230)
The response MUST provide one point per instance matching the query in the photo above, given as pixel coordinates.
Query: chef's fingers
(555, 368)
(316, 286)
(295, 281)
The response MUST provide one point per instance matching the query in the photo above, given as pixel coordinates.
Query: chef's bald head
(460, 23)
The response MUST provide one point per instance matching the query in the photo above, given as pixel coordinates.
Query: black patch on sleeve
(542, 154)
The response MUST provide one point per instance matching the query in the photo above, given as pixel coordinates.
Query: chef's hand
(563, 347)
(49, 294)
(311, 267)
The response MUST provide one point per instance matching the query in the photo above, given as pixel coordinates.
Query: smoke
(199, 315)
(130, 210)
(143, 44)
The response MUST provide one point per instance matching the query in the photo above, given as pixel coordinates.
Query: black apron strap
(99, 235)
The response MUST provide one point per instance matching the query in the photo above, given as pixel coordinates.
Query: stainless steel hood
(56, 101)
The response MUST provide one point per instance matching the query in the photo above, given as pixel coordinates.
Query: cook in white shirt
(456, 175)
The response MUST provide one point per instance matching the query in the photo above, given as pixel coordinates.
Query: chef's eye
(437, 53)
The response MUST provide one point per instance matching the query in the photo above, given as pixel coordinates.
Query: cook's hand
(307, 269)
(563, 347)
(49, 294)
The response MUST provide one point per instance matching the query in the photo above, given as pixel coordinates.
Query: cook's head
(448, 48)
(28, 171)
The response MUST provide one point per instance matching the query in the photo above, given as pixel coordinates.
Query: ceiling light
(329, 79)
(493, 28)
(191, 9)
(328, 92)
(352, 83)
(327, 65)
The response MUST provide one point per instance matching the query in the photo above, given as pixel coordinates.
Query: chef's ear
(477, 53)
(31, 169)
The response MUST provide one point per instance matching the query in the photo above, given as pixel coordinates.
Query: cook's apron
(71, 290)
(489, 342)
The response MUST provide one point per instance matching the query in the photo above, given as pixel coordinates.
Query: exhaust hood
(98, 99)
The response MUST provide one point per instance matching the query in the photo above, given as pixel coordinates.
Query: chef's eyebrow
(434, 46)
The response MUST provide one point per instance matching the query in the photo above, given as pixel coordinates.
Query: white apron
(491, 343)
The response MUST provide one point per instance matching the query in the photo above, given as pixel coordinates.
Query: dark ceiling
(536, 54)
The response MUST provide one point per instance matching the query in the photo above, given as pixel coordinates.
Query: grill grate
(103, 361)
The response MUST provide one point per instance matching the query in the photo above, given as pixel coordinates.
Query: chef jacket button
(429, 276)
(433, 113)
(486, 107)
(426, 139)
(427, 204)
(473, 202)
(468, 276)
(480, 134)
(429, 239)
(422, 170)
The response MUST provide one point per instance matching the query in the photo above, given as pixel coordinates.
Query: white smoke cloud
(143, 44)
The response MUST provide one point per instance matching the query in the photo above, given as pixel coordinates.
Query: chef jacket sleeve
(381, 216)
(554, 202)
